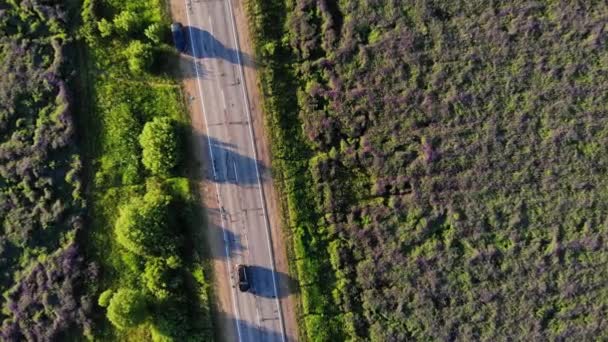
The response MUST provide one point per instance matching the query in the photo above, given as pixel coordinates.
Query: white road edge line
(236, 173)
(255, 155)
(200, 91)
(211, 27)
(224, 98)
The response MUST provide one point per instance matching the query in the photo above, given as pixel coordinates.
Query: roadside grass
(309, 260)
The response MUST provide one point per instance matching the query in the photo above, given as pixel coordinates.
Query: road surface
(241, 211)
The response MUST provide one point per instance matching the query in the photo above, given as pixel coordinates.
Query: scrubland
(444, 162)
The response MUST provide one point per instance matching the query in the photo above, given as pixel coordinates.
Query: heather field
(445, 162)
(43, 275)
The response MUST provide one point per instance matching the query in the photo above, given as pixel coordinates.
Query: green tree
(127, 22)
(143, 227)
(105, 297)
(171, 323)
(105, 28)
(161, 277)
(160, 144)
(155, 32)
(127, 308)
(89, 17)
(139, 56)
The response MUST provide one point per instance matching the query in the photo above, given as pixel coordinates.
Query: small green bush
(105, 297)
(105, 27)
(161, 277)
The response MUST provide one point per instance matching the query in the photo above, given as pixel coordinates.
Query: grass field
(445, 161)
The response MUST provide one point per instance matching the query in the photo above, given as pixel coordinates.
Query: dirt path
(223, 317)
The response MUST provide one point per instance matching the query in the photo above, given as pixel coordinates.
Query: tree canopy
(160, 145)
(127, 308)
(139, 56)
(143, 227)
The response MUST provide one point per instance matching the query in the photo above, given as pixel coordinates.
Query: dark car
(243, 278)
(179, 38)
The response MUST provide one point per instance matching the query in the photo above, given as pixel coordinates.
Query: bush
(105, 28)
(127, 22)
(159, 141)
(143, 228)
(105, 297)
(171, 323)
(155, 32)
(161, 277)
(139, 56)
(127, 309)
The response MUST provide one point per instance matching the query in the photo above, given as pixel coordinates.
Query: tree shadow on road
(207, 46)
(224, 236)
(228, 165)
(249, 330)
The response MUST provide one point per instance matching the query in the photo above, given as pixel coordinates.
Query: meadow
(444, 161)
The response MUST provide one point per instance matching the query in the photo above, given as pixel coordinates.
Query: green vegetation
(139, 56)
(127, 308)
(160, 144)
(444, 161)
(43, 276)
(144, 217)
(143, 228)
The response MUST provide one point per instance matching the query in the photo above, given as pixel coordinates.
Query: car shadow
(262, 283)
(202, 44)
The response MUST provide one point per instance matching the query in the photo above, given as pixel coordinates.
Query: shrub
(162, 277)
(105, 28)
(139, 56)
(105, 297)
(127, 308)
(127, 22)
(171, 323)
(160, 145)
(155, 32)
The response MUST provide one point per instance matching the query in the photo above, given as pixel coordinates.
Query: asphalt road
(235, 170)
